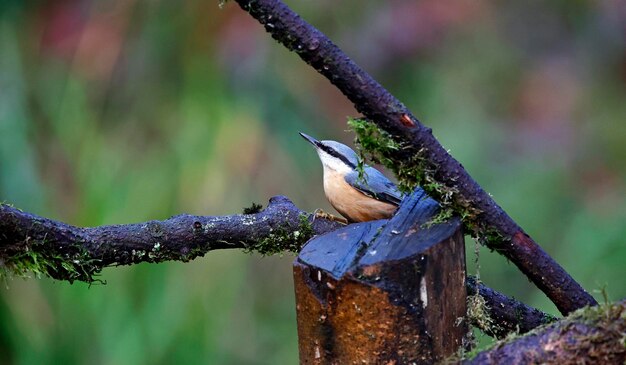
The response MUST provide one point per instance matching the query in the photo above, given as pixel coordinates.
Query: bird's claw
(318, 213)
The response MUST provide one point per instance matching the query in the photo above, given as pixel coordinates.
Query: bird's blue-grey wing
(376, 185)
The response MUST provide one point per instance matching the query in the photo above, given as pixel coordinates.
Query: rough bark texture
(384, 291)
(44, 246)
(420, 147)
(30, 243)
(506, 314)
(592, 336)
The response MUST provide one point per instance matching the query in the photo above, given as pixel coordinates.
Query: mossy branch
(402, 142)
(498, 315)
(44, 247)
(591, 335)
(30, 244)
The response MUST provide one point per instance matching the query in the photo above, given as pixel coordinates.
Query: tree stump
(383, 292)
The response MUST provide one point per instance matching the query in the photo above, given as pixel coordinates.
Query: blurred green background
(126, 110)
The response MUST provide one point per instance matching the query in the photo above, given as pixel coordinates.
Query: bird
(358, 199)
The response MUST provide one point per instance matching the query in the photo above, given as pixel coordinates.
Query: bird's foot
(322, 214)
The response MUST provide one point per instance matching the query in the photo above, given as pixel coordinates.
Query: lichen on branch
(591, 335)
(44, 247)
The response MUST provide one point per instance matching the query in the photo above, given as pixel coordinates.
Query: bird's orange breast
(351, 203)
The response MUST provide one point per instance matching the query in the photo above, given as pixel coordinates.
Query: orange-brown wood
(383, 292)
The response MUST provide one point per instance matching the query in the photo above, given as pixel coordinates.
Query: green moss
(609, 317)
(442, 216)
(37, 260)
(253, 209)
(192, 254)
(478, 314)
(306, 227)
(283, 239)
(372, 143)
(380, 147)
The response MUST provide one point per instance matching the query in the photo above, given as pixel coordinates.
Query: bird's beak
(311, 140)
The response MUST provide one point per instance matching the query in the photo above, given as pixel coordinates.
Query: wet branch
(506, 314)
(29, 243)
(593, 335)
(421, 153)
(33, 244)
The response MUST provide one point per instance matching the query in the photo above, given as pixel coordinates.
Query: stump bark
(383, 292)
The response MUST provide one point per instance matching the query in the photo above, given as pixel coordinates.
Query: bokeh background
(126, 110)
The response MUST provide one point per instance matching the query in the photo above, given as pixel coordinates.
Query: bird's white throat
(333, 164)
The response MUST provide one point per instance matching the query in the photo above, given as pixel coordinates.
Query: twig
(421, 153)
(29, 243)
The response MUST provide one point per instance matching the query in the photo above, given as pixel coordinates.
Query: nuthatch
(358, 199)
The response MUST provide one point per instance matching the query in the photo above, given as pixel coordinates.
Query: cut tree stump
(383, 292)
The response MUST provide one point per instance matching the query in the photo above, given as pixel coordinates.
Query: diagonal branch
(420, 158)
(29, 243)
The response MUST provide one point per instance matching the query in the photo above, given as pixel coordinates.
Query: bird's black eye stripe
(331, 151)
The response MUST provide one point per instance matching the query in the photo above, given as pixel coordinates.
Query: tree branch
(29, 243)
(417, 157)
(504, 315)
(594, 335)
(32, 243)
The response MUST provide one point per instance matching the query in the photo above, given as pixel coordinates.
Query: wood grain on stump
(383, 292)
